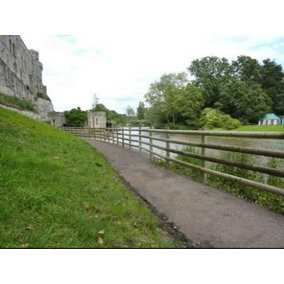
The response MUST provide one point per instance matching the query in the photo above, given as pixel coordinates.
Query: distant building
(56, 119)
(270, 119)
(94, 119)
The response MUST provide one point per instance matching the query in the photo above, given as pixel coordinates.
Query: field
(56, 191)
(262, 128)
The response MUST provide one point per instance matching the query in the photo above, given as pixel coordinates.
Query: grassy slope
(58, 191)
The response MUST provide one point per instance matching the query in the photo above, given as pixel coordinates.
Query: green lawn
(57, 191)
(263, 128)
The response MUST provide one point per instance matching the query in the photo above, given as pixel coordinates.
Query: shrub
(229, 123)
(213, 118)
(75, 117)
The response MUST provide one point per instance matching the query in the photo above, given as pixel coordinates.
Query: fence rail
(132, 137)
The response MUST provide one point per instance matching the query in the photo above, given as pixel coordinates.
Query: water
(274, 144)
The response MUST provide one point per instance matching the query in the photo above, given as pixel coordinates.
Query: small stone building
(56, 119)
(94, 119)
(270, 119)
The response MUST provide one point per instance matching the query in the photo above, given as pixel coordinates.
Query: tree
(188, 104)
(245, 101)
(75, 117)
(272, 83)
(161, 94)
(210, 74)
(246, 69)
(141, 111)
(130, 111)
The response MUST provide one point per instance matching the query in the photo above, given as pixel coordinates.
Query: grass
(263, 128)
(56, 191)
(16, 102)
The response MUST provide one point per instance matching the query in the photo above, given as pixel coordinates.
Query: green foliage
(162, 94)
(141, 111)
(16, 102)
(210, 74)
(211, 118)
(188, 104)
(43, 96)
(244, 100)
(193, 173)
(230, 123)
(130, 111)
(272, 83)
(245, 89)
(75, 117)
(57, 191)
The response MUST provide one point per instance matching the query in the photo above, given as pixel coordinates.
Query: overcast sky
(123, 46)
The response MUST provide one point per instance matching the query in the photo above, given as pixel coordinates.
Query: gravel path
(207, 216)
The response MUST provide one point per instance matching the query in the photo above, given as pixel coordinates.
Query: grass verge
(56, 191)
(262, 128)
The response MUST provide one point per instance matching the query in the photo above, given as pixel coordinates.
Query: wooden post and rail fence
(132, 137)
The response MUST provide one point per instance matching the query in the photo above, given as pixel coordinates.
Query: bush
(230, 123)
(75, 117)
(213, 118)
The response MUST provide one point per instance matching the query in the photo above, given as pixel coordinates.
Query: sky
(116, 49)
(119, 68)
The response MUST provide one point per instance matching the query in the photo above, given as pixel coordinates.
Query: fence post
(168, 147)
(151, 147)
(122, 136)
(129, 137)
(140, 144)
(104, 131)
(117, 137)
(203, 153)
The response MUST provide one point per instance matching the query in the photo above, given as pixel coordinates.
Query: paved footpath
(207, 216)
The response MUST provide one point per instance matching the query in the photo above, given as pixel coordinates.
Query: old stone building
(94, 119)
(21, 73)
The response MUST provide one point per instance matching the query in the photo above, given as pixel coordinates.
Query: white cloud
(127, 45)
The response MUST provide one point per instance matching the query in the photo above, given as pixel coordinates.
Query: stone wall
(24, 112)
(21, 72)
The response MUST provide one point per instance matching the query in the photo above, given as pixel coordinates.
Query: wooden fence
(132, 138)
